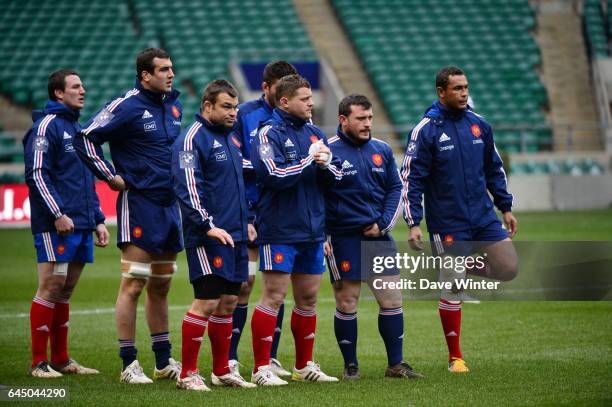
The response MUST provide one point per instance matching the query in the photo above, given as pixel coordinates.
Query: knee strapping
(60, 269)
(452, 276)
(163, 268)
(134, 269)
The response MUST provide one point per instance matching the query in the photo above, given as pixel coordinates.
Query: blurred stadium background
(540, 71)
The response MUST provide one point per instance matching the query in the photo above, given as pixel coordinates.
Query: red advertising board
(15, 204)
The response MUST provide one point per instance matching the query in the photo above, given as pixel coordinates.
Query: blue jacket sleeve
(392, 206)
(105, 126)
(40, 150)
(332, 174)
(415, 170)
(187, 177)
(497, 183)
(271, 166)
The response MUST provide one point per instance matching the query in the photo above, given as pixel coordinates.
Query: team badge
(377, 159)
(345, 266)
(186, 159)
(449, 240)
(314, 139)
(236, 142)
(218, 261)
(411, 147)
(104, 117)
(137, 231)
(175, 112)
(61, 249)
(278, 258)
(265, 151)
(476, 130)
(41, 144)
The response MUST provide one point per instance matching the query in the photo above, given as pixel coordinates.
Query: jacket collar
(60, 109)
(452, 114)
(349, 140)
(294, 121)
(157, 97)
(215, 128)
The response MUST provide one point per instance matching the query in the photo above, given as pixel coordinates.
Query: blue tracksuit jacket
(451, 158)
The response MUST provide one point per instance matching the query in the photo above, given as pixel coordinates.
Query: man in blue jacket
(250, 117)
(64, 211)
(451, 157)
(360, 213)
(207, 173)
(140, 128)
(293, 163)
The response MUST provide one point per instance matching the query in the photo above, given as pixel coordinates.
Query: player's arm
(331, 171)
(187, 175)
(392, 206)
(415, 170)
(497, 183)
(271, 166)
(40, 151)
(105, 126)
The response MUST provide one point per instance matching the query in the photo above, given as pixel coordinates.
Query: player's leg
(135, 271)
(242, 308)
(309, 267)
(163, 267)
(51, 278)
(502, 260)
(391, 327)
(347, 294)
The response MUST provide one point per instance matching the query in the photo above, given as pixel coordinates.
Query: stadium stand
(403, 43)
(595, 32)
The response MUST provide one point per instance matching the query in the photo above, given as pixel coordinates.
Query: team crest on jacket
(278, 258)
(476, 130)
(265, 151)
(314, 139)
(345, 266)
(411, 147)
(175, 112)
(449, 240)
(377, 159)
(186, 159)
(236, 142)
(218, 261)
(41, 144)
(137, 231)
(61, 249)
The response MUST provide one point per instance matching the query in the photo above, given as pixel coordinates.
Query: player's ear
(440, 92)
(264, 87)
(59, 94)
(343, 119)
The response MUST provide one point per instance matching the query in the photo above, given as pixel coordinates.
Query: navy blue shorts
(230, 263)
(352, 256)
(464, 243)
(303, 258)
(153, 228)
(75, 247)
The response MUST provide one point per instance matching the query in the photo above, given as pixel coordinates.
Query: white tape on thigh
(134, 269)
(163, 268)
(450, 275)
(253, 266)
(60, 269)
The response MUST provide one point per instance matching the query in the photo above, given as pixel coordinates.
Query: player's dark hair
(57, 81)
(144, 60)
(288, 86)
(344, 108)
(276, 70)
(444, 74)
(214, 88)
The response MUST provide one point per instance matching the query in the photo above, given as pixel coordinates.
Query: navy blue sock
(238, 321)
(345, 327)
(277, 331)
(391, 328)
(127, 351)
(161, 346)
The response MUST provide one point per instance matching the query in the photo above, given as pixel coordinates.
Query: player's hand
(415, 238)
(326, 248)
(252, 233)
(102, 235)
(221, 235)
(117, 183)
(372, 231)
(323, 156)
(64, 225)
(511, 223)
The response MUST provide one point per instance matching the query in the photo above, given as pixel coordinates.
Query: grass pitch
(536, 353)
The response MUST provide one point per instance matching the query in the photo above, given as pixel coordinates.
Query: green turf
(520, 353)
